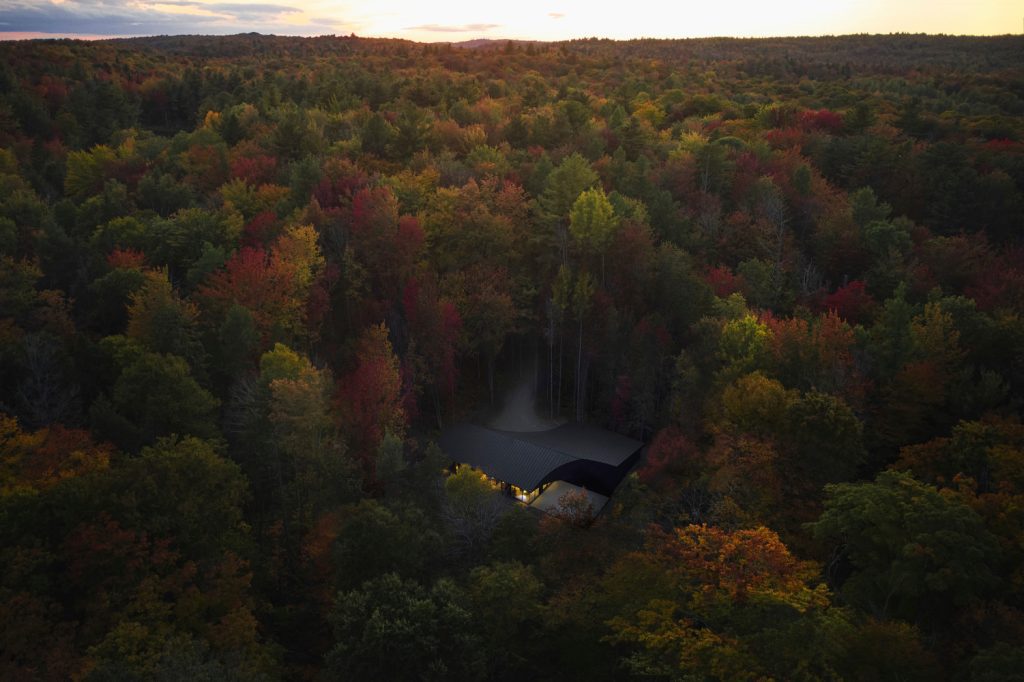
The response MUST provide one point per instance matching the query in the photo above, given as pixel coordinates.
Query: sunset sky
(526, 19)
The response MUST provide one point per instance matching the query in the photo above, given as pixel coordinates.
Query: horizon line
(22, 36)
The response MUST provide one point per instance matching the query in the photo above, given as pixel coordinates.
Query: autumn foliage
(369, 398)
(247, 282)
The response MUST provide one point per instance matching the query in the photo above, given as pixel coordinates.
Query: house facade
(526, 464)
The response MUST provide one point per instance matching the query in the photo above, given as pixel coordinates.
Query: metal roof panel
(501, 456)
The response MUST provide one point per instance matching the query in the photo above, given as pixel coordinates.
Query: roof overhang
(529, 459)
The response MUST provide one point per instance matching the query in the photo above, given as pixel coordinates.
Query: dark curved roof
(582, 441)
(527, 459)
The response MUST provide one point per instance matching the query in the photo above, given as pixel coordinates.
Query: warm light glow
(489, 480)
(457, 20)
(527, 496)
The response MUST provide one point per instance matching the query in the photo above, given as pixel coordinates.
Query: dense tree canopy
(245, 281)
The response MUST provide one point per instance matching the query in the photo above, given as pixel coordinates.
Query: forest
(246, 281)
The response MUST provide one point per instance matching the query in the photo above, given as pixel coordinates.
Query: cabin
(538, 467)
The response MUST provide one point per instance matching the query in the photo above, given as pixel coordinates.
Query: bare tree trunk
(437, 405)
(563, 239)
(579, 369)
(490, 377)
(551, 365)
(581, 412)
(561, 354)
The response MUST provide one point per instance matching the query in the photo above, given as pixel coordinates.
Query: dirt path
(518, 412)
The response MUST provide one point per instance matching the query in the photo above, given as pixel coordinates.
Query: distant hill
(882, 53)
(491, 43)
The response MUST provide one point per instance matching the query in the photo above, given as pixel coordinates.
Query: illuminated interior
(526, 496)
(513, 491)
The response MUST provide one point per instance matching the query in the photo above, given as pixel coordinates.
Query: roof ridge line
(509, 435)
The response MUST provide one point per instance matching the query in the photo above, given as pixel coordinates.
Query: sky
(455, 20)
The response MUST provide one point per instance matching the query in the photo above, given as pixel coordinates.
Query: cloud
(464, 28)
(256, 7)
(556, 15)
(251, 9)
(149, 17)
